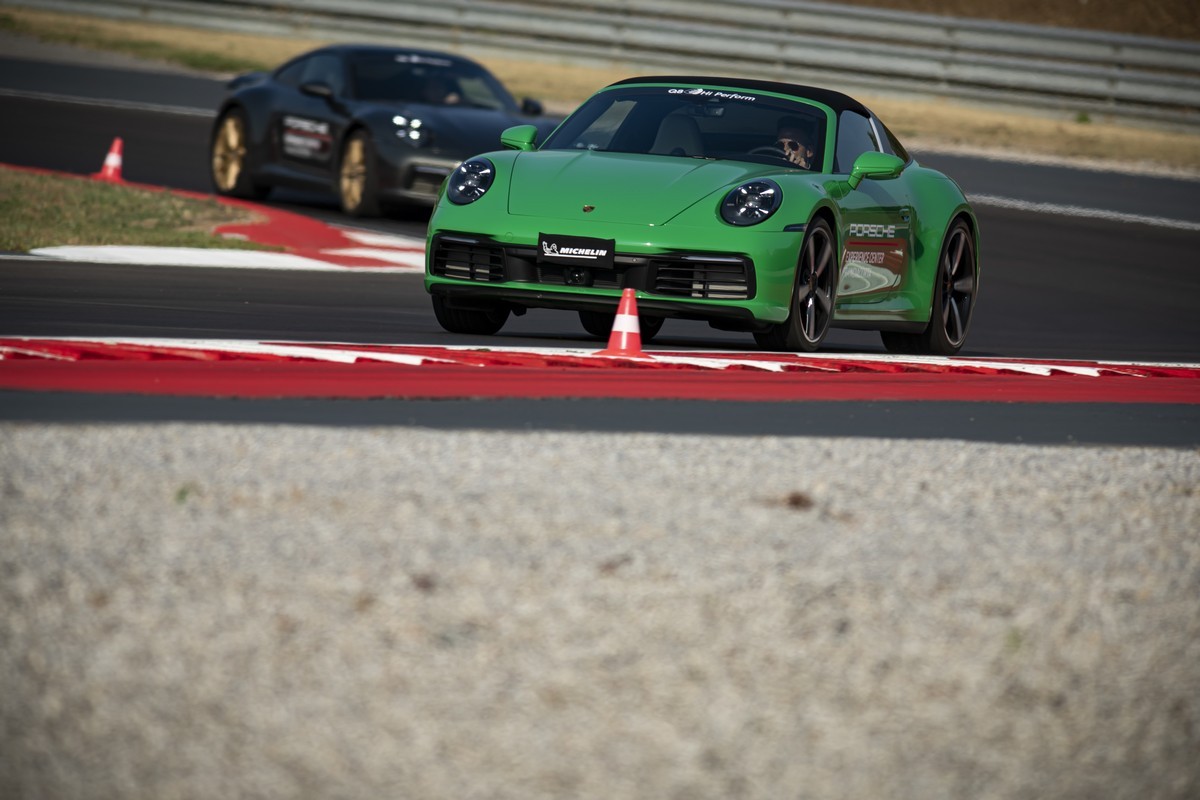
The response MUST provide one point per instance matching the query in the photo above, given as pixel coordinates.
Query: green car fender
(943, 204)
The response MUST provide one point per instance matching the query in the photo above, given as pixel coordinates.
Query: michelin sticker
(576, 250)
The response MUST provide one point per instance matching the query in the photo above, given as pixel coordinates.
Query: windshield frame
(455, 68)
(709, 106)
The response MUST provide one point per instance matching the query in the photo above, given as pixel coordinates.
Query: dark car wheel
(358, 177)
(473, 321)
(229, 171)
(812, 301)
(600, 323)
(953, 301)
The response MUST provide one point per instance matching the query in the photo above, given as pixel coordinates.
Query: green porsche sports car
(755, 206)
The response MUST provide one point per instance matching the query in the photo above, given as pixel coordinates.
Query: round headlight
(470, 181)
(751, 203)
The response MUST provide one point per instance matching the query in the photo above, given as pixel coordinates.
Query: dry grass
(920, 123)
(46, 210)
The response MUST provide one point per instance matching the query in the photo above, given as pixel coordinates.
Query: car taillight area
(683, 275)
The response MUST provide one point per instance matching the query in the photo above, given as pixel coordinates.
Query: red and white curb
(301, 242)
(320, 369)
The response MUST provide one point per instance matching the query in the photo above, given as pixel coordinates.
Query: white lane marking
(373, 239)
(125, 105)
(415, 262)
(1080, 211)
(1144, 169)
(200, 257)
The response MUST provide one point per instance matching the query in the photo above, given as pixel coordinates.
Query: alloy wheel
(229, 153)
(814, 286)
(353, 176)
(958, 286)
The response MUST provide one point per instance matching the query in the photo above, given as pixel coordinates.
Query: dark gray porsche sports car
(376, 125)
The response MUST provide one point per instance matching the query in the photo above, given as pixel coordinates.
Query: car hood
(459, 131)
(622, 187)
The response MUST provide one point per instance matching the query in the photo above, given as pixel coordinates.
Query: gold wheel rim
(354, 173)
(229, 154)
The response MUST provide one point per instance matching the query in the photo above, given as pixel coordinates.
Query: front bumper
(732, 288)
(412, 176)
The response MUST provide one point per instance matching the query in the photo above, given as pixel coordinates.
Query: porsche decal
(306, 139)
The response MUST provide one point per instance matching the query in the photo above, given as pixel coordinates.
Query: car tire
(472, 321)
(600, 323)
(229, 158)
(358, 176)
(811, 308)
(953, 300)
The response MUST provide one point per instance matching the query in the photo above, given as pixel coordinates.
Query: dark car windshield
(696, 123)
(413, 78)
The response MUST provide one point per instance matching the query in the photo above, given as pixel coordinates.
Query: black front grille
(719, 278)
(598, 278)
(684, 275)
(467, 261)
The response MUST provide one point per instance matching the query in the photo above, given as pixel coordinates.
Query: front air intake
(467, 260)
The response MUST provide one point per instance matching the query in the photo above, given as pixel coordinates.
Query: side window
(291, 74)
(890, 143)
(325, 68)
(854, 137)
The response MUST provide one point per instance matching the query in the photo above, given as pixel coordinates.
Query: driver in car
(794, 137)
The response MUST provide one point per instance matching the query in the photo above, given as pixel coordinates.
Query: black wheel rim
(958, 286)
(814, 285)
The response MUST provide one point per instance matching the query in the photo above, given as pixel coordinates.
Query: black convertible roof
(835, 100)
(348, 49)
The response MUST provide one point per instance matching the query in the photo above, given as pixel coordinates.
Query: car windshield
(413, 78)
(697, 123)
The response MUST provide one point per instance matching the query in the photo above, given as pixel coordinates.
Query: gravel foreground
(215, 611)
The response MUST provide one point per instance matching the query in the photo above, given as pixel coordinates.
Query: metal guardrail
(850, 48)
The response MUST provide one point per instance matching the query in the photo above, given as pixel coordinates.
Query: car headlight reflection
(410, 129)
(470, 181)
(751, 203)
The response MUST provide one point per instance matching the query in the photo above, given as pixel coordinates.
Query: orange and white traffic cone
(111, 171)
(626, 337)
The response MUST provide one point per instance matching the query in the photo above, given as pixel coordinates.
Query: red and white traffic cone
(626, 337)
(111, 171)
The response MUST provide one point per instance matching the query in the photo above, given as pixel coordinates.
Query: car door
(876, 233)
(305, 126)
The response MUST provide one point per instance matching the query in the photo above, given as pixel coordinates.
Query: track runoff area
(262, 369)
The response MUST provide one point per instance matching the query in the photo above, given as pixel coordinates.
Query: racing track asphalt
(1053, 286)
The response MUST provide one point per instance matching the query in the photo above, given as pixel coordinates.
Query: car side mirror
(531, 107)
(876, 166)
(317, 89)
(520, 137)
